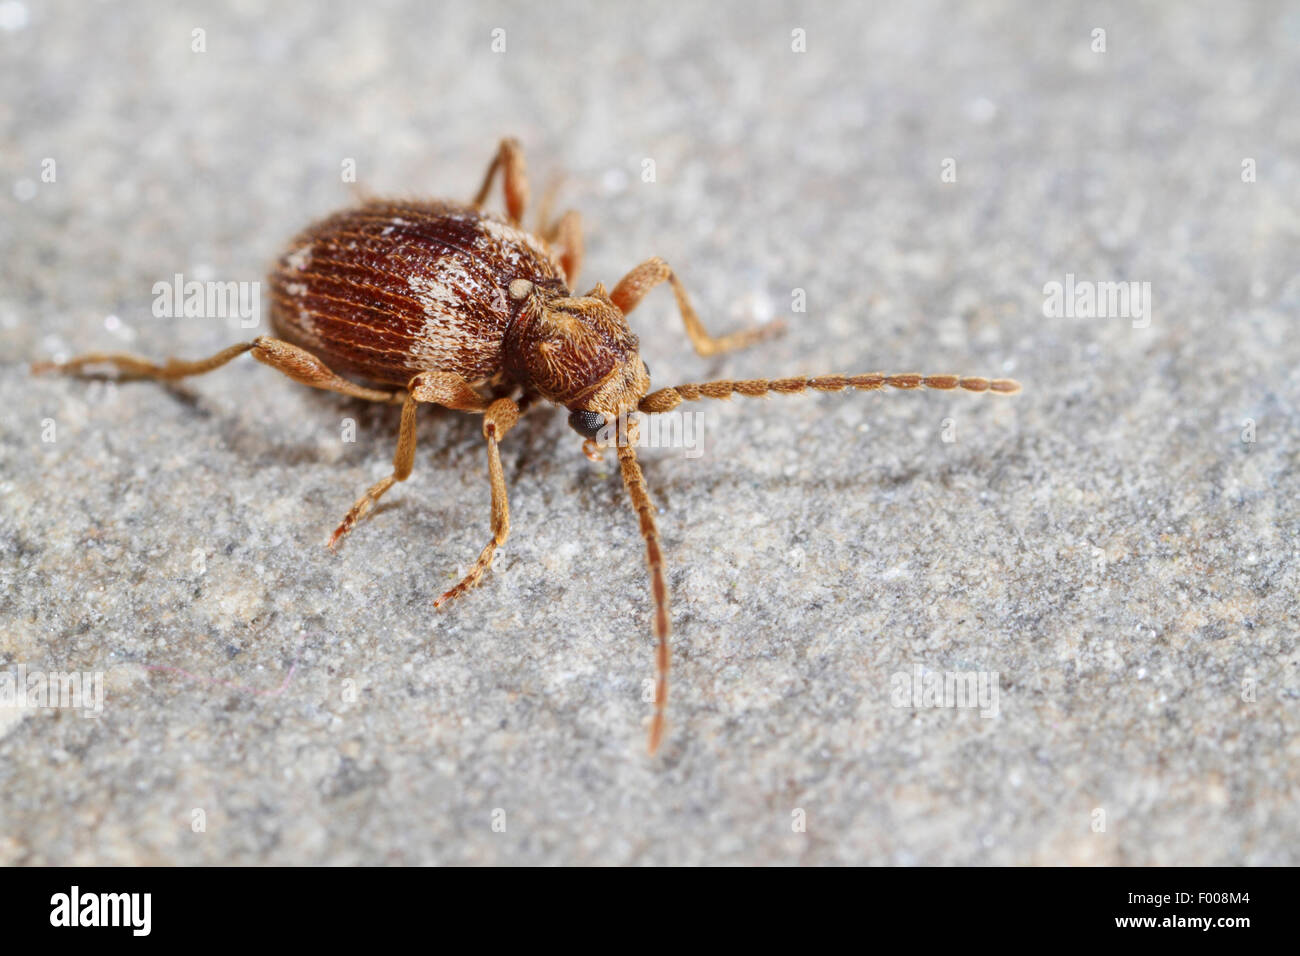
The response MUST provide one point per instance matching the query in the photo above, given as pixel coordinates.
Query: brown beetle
(451, 305)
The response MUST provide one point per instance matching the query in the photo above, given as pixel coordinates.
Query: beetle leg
(403, 460)
(566, 233)
(133, 367)
(499, 418)
(510, 160)
(299, 364)
(438, 388)
(543, 213)
(631, 289)
(305, 368)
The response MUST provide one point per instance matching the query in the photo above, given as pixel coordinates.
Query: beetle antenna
(634, 481)
(669, 398)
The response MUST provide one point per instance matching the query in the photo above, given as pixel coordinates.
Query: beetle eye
(587, 424)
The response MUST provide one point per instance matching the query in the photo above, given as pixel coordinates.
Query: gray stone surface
(1108, 542)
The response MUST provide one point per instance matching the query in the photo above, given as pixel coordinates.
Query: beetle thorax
(576, 351)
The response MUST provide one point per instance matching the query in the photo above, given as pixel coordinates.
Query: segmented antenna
(669, 398)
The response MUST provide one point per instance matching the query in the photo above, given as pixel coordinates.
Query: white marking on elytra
(307, 323)
(508, 240)
(447, 341)
(443, 294)
(299, 258)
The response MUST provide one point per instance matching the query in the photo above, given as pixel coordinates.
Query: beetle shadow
(371, 421)
(441, 433)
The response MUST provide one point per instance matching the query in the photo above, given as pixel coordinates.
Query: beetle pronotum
(442, 302)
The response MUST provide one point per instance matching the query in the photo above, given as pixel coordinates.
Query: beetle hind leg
(297, 363)
(132, 368)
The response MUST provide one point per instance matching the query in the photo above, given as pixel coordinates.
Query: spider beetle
(445, 303)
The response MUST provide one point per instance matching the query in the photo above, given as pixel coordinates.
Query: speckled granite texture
(1114, 550)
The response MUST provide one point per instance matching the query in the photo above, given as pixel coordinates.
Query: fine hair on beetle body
(413, 302)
